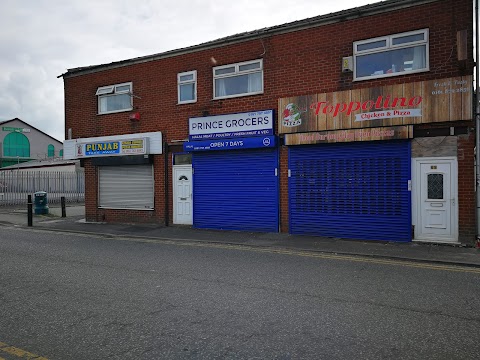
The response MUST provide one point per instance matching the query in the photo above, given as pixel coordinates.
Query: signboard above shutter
(368, 134)
(231, 144)
(431, 101)
(113, 148)
(119, 145)
(255, 123)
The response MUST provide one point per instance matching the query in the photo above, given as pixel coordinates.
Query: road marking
(319, 255)
(355, 258)
(23, 354)
(421, 264)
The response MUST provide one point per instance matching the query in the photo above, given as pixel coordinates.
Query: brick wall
(90, 191)
(297, 63)
(306, 61)
(284, 223)
(466, 188)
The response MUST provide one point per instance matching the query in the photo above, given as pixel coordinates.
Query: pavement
(75, 222)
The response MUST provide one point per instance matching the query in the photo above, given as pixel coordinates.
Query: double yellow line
(420, 264)
(20, 353)
(318, 255)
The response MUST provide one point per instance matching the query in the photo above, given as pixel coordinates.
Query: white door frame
(416, 200)
(174, 183)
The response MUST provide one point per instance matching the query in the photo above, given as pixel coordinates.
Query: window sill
(187, 102)
(114, 112)
(235, 96)
(389, 75)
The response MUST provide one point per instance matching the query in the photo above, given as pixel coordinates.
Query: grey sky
(41, 39)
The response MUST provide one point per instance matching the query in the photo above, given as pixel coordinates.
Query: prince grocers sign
(256, 123)
(387, 106)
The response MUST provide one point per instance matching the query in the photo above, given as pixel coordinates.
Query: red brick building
(357, 124)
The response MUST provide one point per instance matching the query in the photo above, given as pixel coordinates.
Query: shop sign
(230, 144)
(135, 146)
(112, 148)
(367, 134)
(14, 129)
(393, 105)
(257, 123)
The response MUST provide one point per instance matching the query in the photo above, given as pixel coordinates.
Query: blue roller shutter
(354, 190)
(236, 190)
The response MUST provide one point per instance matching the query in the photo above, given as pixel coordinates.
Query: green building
(21, 142)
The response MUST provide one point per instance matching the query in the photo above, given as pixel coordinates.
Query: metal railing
(15, 186)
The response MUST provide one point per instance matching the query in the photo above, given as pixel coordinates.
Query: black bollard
(30, 210)
(62, 201)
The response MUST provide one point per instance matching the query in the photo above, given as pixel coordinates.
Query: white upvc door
(435, 199)
(182, 195)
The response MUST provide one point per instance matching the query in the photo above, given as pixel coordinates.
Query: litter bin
(41, 203)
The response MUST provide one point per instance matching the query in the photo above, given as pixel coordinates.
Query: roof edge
(33, 127)
(343, 15)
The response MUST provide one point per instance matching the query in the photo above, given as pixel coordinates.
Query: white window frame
(390, 46)
(237, 72)
(187, 82)
(112, 90)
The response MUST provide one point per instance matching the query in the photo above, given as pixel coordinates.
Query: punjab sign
(112, 148)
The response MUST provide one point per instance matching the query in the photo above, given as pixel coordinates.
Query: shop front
(235, 172)
(369, 164)
(124, 171)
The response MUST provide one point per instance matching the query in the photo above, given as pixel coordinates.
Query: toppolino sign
(401, 104)
(396, 107)
(230, 144)
(112, 148)
(256, 123)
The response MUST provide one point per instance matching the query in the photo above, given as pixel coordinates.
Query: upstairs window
(391, 55)
(114, 98)
(239, 79)
(187, 87)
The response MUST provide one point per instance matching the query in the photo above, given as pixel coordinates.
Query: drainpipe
(477, 119)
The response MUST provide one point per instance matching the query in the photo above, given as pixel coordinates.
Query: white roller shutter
(126, 187)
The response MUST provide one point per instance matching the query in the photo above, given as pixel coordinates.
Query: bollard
(62, 201)
(30, 210)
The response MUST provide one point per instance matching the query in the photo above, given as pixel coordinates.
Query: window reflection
(391, 61)
(241, 84)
